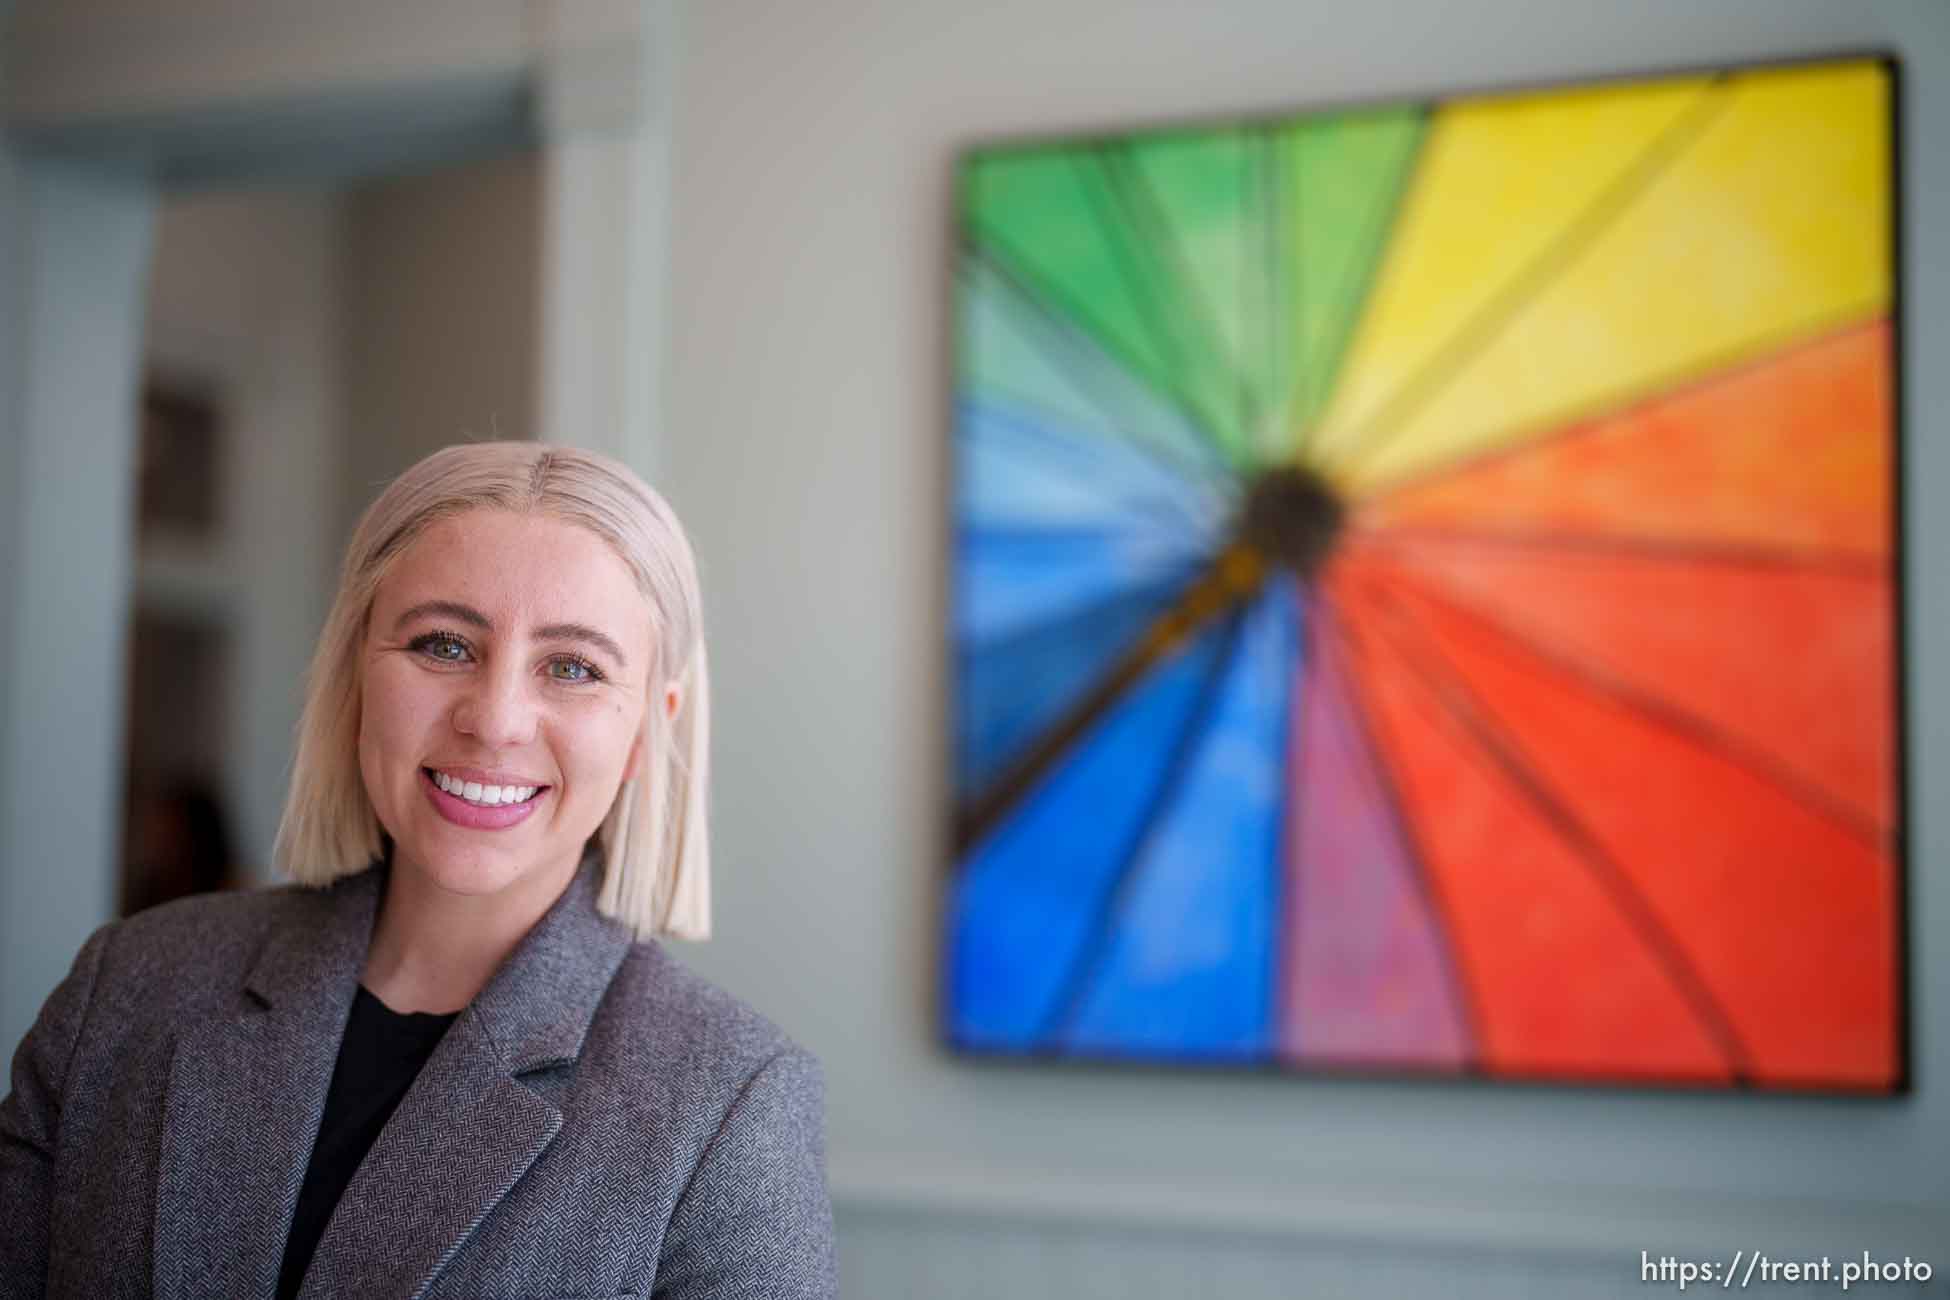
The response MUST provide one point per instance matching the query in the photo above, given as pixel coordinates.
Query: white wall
(806, 404)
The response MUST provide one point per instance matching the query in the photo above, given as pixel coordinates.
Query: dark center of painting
(1291, 517)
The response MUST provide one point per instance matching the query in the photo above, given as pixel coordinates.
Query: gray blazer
(599, 1122)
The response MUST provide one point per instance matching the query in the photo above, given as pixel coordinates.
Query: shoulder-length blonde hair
(656, 848)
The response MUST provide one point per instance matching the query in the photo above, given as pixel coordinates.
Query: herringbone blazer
(598, 1122)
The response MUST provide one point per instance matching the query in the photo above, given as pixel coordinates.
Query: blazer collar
(310, 963)
(536, 1008)
(247, 1092)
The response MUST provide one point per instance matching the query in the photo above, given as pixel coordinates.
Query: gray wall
(806, 407)
(441, 308)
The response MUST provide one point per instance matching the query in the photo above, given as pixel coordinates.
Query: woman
(450, 1061)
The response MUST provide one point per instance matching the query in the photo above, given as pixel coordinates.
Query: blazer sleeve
(756, 1220)
(30, 1124)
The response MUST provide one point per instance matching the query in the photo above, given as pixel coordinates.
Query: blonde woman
(451, 1060)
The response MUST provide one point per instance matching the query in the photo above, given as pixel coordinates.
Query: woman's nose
(497, 709)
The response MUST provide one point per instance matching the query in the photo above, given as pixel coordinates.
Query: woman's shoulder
(673, 1065)
(212, 923)
(201, 946)
(659, 1010)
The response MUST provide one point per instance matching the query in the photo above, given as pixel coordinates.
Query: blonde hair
(656, 847)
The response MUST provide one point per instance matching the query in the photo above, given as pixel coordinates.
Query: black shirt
(379, 1058)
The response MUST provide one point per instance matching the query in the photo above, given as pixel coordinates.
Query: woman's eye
(442, 646)
(573, 670)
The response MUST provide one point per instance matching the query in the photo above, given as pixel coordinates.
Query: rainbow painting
(1425, 590)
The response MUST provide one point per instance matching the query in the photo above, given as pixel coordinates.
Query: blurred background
(256, 256)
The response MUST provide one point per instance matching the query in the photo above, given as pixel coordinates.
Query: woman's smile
(484, 788)
(480, 806)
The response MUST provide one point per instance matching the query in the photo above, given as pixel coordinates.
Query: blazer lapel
(468, 1130)
(245, 1093)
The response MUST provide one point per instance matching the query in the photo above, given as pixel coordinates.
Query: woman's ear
(673, 700)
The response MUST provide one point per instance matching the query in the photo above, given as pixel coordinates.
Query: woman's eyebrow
(583, 632)
(552, 632)
(451, 609)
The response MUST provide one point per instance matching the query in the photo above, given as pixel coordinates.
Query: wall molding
(604, 112)
(1356, 1213)
(82, 59)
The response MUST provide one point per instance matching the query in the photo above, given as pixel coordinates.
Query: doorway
(115, 111)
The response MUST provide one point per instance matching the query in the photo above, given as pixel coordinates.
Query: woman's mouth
(483, 796)
(479, 805)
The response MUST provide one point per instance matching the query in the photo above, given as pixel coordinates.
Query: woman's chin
(515, 847)
(469, 873)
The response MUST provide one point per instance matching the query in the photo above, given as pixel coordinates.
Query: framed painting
(1426, 589)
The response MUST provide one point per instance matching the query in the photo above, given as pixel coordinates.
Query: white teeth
(488, 796)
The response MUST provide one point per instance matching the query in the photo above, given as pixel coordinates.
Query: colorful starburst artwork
(1425, 589)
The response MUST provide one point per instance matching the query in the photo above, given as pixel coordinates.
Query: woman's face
(506, 666)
